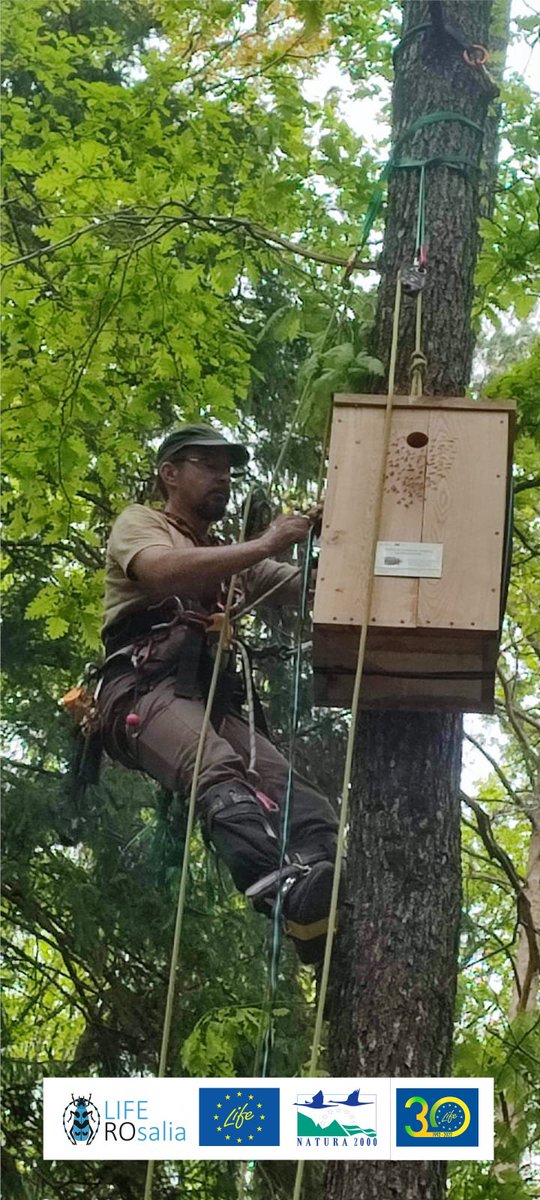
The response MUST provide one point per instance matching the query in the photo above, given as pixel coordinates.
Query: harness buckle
(214, 625)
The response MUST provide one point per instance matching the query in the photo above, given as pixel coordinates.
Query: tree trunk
(396, 959)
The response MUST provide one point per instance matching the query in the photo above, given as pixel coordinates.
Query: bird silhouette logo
(333, 1116)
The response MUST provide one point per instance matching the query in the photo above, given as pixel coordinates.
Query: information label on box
(417, 560)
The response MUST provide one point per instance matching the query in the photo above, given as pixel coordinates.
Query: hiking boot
(305, 909)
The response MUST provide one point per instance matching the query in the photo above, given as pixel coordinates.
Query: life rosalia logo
(435, 1114)
(330, 1119)
(81, 1120)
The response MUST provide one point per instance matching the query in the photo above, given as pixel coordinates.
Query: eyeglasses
(210, 464)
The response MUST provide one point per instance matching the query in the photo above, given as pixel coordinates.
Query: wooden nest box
(441, 553)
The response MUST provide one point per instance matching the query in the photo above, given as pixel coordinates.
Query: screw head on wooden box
(434, 624)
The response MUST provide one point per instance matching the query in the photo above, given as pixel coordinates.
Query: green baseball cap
(200, 435)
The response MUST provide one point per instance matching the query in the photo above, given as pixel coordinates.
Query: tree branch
(527, 747)
(523, 485)
(524, 911)
(498, 770)
(259, 232)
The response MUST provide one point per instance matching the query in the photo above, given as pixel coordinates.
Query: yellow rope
(354, 715)
(175, 953)
(349, 754)
(418, 359)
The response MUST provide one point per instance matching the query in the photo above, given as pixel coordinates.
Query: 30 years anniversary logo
(436, 1113)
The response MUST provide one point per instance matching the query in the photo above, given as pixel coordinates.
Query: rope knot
(418, 367)
(418, 362)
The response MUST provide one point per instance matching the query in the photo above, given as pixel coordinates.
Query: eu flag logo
(239, 1116)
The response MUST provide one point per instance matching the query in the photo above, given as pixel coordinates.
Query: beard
(214, 506)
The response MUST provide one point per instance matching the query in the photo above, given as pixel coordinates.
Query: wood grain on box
(446, 481)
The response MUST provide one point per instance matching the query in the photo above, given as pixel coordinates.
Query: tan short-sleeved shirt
(138, 528)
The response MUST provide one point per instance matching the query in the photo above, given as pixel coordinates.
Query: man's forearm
(194, 572)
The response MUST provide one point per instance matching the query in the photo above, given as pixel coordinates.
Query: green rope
(265, 1037)
(408, 37)
(286, 812)
(438, 118)
(455, 161)
(448, 160)
(421, 218)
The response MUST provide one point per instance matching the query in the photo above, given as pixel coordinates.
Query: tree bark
(395, 964)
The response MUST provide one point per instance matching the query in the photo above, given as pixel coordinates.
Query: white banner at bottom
(251, 1119)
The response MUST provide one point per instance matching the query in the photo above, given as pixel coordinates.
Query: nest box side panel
(349, 516)
(464, 508)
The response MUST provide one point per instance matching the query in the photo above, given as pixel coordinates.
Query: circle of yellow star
(238, 1093)
(251, 1137)
(263, 1118)
(227, 1137)
(239, 1139)
(259, 1128)
(218, 1105)
(219, 1128)
(259, 1106)
(216, 1118)
(227, 1097)
(250, 1097)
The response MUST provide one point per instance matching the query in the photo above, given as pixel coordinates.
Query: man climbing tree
(177, 216)
(165, 588)
(396, 997)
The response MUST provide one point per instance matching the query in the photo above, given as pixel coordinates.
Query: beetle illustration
(81, 1120)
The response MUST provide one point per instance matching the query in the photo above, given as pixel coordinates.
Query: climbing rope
(418, 363)
(264, 1043)
(286, 811)
(175, 952)
(418, 358)
(379, 496)
(251, 772)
